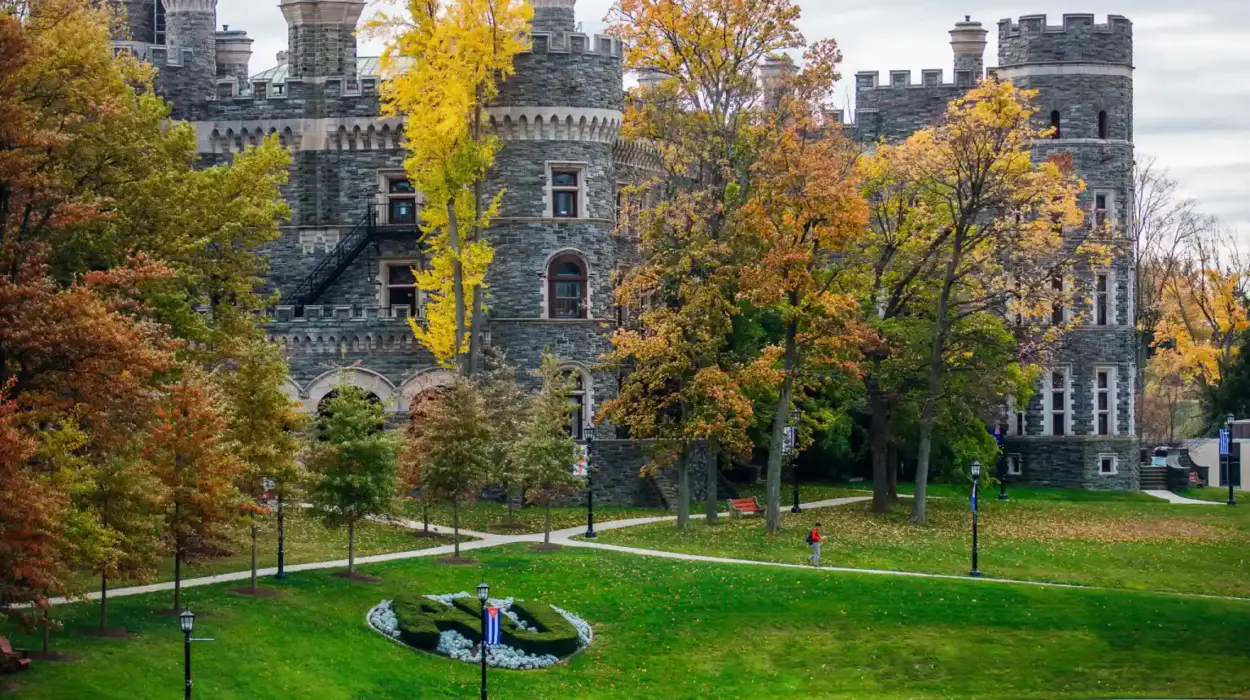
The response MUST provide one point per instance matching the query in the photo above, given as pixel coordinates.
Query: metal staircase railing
(336, 261)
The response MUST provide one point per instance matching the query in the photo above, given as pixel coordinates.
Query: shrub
(550, 632)
(420, 620)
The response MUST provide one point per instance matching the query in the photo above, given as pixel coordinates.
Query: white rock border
(452, 645)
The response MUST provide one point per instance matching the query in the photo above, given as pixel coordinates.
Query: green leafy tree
(506, 405)
(262, 424)
(355, 464)
(456, 449)
(546, 452)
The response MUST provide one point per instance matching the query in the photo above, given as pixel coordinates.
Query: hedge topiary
(421, 620)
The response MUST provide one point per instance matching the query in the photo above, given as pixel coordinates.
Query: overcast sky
(1192, 60)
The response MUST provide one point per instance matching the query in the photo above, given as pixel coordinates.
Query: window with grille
(566, 291)
(399, 288)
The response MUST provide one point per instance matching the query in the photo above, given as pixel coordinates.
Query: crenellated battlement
(929, 78)
(1074, 22)
(1080, 39)
(576, 43)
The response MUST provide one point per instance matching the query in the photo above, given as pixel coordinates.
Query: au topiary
(422, 619)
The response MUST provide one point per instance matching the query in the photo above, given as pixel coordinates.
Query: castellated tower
(190, 35)
(557, 120)
(1080, 427)
(321, 38)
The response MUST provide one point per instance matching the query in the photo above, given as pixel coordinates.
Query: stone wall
(1074, 462)
(1078, 39)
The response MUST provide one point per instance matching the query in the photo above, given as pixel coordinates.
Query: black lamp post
(187, 621)
(588, 431)
(483, 592)
(976, 480)
(1228, 458)
(277, 485)
(792, 441)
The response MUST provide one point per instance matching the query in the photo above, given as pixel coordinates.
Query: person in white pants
(814, 539)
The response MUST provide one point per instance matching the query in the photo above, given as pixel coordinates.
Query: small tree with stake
(456, 450)
(546, 452)
(354, 465)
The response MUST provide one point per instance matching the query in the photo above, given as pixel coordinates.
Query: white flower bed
(455, 645)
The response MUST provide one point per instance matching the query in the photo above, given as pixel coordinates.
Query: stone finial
(968, 37)
(565, 4)
(322, 12)
(202, 6)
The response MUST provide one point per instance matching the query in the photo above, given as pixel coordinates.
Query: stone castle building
(1079, 429)
(343, 263)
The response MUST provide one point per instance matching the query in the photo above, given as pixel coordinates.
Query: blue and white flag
(492, 625)
(974, 499)
(1224, 451)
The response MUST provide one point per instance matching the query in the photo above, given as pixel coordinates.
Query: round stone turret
(190, 33)
(321, 37)
(968, 43)
(234, 52)
(554, 15)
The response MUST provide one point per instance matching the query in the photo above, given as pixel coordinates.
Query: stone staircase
(1154, 478)
(663, 486)
(663, 489)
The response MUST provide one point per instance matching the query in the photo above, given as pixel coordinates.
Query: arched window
(566, 287)
(1102, 124)
(1054, 124)
(324, 412)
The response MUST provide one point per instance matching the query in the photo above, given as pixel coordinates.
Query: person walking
(814, 539)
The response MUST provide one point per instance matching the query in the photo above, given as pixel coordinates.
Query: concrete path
(1174, 498)
(566, 535)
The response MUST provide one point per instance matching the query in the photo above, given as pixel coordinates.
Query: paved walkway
(1174, 498)
(566, 535)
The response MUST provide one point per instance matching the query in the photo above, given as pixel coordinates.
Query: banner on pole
(790, 439)
(492, 626)
(974, 499)
(1224, 440)
(582, 466)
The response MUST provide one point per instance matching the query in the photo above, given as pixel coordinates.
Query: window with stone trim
(1057, 311)
(1103, 209)
(565, 194)
(1058, 405)
(1102, 124)
(400, 295)
(401, 201)
(579, 401)
(566, 287)
(1103, 311)
(1104, 401)
(1014, 465)
(1108, 465)
(1017, 420)
(1056, 123)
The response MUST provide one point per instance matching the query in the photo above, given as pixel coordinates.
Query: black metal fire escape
(336, 261)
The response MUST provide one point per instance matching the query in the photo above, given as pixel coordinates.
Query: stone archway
(366, 379)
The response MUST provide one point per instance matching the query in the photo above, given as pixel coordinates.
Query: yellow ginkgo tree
(441, 67)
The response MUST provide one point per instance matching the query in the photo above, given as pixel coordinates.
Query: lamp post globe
(187, 621)
(976, 468)
(483, 592)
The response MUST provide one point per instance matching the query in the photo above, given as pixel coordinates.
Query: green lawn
(1150, 546)
(807, 492)
(492, 517)
(1219, 495)
(676, 630)
(307, 540)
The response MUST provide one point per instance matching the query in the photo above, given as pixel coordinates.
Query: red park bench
(744, 506)
(12, 660)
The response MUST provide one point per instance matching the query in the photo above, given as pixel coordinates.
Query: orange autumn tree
(804, 212)
(700, 108)
(189, 451)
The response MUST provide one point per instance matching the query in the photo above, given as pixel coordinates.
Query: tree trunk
(780, 416)
(683, 489)
(547, 525)
(104, 601)
(475, 325)
(713, 470)
(455, 523)
(351, 546)
(253, 555)
(457, 278)
(878, 440)
(892, 469)
(510, 494)
(928, 416)
(178, 574)
(47, 630)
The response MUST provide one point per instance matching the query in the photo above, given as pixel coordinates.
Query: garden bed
(533, 635)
